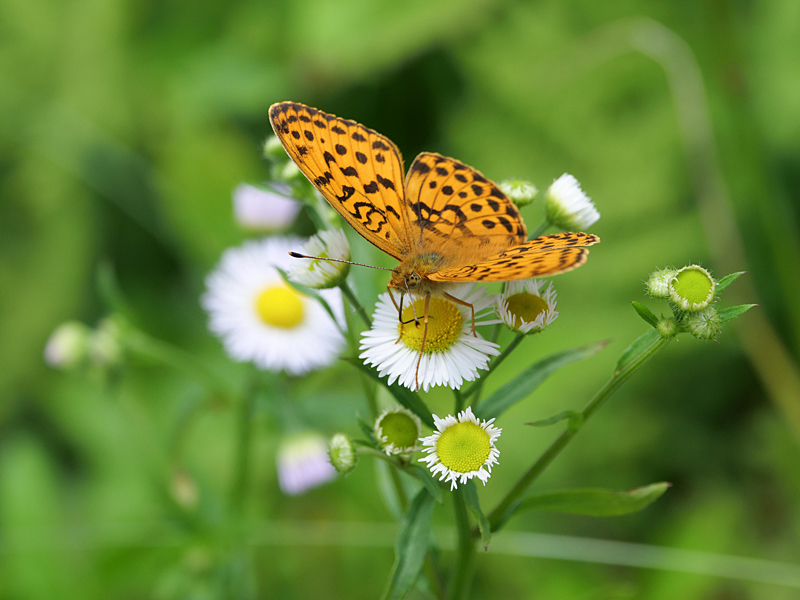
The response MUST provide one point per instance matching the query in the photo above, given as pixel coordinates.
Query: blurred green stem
(465, 548)
(505, 509)
(540, 230)
(242, 457)
(475, 387)
(351, 297)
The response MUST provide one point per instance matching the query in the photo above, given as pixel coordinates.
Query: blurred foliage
(124, 126)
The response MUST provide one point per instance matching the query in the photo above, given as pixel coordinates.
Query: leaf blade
(411, 547)
(595, 502)
(527, 381)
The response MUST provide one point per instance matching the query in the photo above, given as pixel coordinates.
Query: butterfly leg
(424, 336)
(399, 311)
(462, 303)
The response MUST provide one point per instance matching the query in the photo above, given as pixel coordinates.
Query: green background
(124, 127)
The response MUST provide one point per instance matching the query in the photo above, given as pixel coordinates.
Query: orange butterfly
(446, 223)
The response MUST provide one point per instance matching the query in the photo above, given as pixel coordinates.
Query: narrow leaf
(474, 506)
(595, 502)
(645, 313)
(411, 546)
(403, 395)
(575, 420)
(424, 475)
(728, 279)
(636, 348)
(527, 381)
(726, 314)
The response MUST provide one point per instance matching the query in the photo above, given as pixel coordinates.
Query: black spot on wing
(350, 171)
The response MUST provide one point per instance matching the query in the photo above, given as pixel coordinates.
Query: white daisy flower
(397, 430)
(303, 463)
(260, 319)
(525, 308)
(452, 353)
(568, 207)
(264, 210)
(462, 447)
(320, 274)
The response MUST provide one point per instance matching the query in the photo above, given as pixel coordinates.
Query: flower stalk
(505, 508)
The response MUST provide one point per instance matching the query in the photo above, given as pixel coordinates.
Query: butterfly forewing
(458, 211)
(545, 256)
(357, 170)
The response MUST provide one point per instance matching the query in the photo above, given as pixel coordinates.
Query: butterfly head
(410, 276)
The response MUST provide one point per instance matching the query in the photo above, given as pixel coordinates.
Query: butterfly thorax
(411, 275)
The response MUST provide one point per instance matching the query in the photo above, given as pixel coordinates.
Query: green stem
(351, 297)
(503, 511)
(475, 387)
(242, 457)
(465, 549)
(540, 230)
(160, 351)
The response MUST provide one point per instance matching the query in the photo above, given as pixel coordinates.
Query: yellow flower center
(444, 325)
(399, 429)
(463, 447)
(525, 307)
(280, 306)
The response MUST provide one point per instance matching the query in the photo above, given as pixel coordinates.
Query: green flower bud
(68, 346)
(342, 453)
(692, 288)
(273, 149)
(704, 324)
(397, 431)
(106, 344)
(667, 327)
(291, 172)
(521, 192)
(658, 283)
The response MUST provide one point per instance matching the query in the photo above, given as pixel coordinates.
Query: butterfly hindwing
(357, 170)
(455, 206)
(543, 257)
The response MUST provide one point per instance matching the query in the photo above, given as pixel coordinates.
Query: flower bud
(342, 453)
(658, 284)
(291, 172)
(704, 324)
(264, 210)
(567, 207)
(68, 346)
(273, 149)
(323, 274)
(106, 344)
(397, 431)
(303, 463)
(520, 192)
(667, 328)
(692, 288)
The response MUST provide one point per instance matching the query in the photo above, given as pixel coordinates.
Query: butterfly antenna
(298, 255)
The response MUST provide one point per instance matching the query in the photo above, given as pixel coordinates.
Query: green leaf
(368, 431)
(474, 506)
(411, 547)
(403, 395)
(527, 381)
(726, 314)
(727, 280)
(595, 502)
(424, 475)
(575, 420)
(636, 348)
(645, 313)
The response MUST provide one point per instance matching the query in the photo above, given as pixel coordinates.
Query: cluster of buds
(74, 346)
(692, 294)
